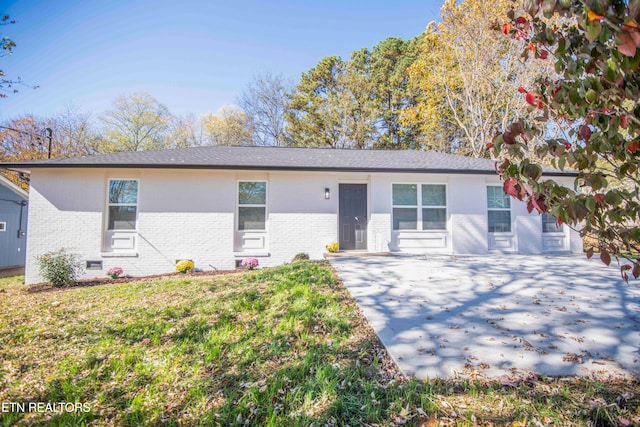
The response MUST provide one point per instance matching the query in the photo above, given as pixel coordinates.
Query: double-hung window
(419, 206)
(550, 224)
(405, 206)
(122, 204)
(499, 210)
(252, 205)
(434, 207)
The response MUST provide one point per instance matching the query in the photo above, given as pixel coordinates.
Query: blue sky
(194, 56)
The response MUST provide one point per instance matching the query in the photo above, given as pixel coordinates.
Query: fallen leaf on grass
(597, 403)
(623, 421)
(509, 382)
(431, 422)
(546, 421)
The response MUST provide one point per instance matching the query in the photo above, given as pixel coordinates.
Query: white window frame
(120, 242)
(489, 209)
(423, 207)
(253, 205)
(109, 204)
(3, 226)
(420, 206)
(559, 228)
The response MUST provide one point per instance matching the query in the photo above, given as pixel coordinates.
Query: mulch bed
(45, 287)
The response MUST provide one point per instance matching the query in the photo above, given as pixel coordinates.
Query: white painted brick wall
(575, 242)
(380, 214)
(300, 218)
(468, 210)
(527, 228)
(191, 214)
(380, 232)
(293, 233)
(180, 215)
(62, 214)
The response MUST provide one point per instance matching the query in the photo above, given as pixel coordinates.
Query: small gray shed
(13, 224)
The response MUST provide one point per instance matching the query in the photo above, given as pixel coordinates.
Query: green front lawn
(283, 346)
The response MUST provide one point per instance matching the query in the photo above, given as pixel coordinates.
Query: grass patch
(271, 347)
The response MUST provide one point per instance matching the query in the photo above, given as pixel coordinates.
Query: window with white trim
(434, 207)
(252, 205)
(550, 224)
(499, 210)
(419, 206)
(122, 211)
(3, 226)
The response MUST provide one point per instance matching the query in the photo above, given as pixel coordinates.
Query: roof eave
(14, 188)
(26, 168)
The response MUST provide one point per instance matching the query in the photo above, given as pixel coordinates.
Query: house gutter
(26, 168)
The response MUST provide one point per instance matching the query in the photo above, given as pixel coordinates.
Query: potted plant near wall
(332, 247)
(250, 263)
(114, 272)
(184, 266)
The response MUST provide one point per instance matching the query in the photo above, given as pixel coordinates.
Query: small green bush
(300, 257)
(60, 268)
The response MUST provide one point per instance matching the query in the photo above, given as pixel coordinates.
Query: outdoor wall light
(327, 193)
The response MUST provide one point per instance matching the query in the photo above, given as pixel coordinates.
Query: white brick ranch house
(143, 211)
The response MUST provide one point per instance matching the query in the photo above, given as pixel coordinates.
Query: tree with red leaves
(596, 96)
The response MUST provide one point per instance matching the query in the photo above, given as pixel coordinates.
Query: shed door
(353, 216)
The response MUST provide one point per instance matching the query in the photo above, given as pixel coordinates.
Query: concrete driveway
(448, 316)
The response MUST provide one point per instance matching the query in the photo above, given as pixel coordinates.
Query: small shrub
(300, 257)
(60, 268)
(333, 247)
(184, 266)
(114, 272)
(250, 263)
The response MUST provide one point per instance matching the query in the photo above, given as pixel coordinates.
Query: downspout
(21, 233)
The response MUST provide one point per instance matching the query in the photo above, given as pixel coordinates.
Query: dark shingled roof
(279, 158)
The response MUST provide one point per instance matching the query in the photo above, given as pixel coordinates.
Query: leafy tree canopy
(229, 126)
(594, 49)
(136, 122)
(463, 79)
(356, 103)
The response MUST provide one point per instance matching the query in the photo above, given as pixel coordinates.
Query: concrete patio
(448, 316)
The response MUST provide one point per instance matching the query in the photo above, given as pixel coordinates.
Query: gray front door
(353, 216)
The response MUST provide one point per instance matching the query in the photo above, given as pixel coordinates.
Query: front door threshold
(355, 253)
